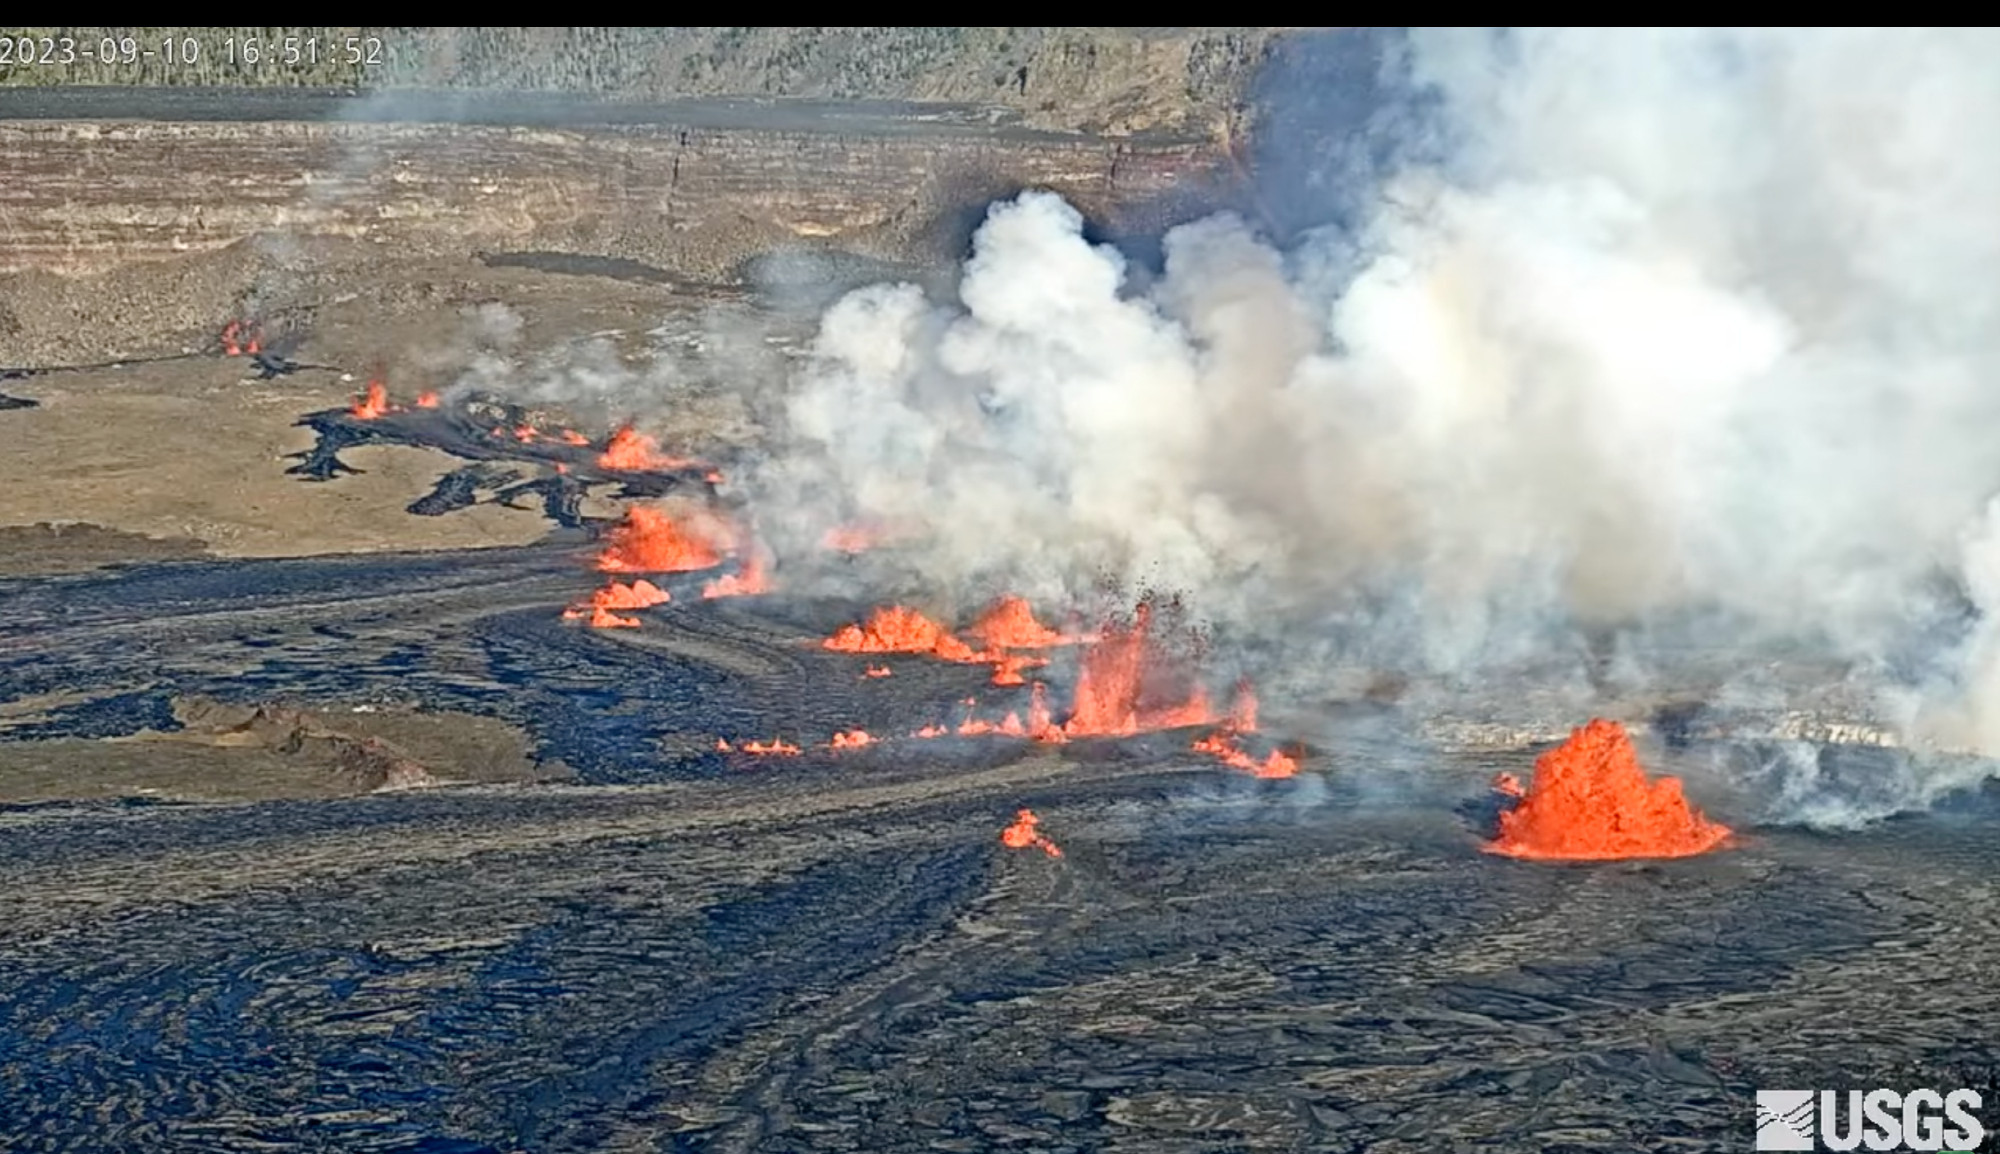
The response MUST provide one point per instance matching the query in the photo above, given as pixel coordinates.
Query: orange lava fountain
(638, 595)
(1590, 801)
(1011, 624)
(1023, 834)
(1223, 745)
(895, 629)
(751, 581)
(776, 747)
(650, 541)
(372, 404)
(1111, 691)
(632, 451)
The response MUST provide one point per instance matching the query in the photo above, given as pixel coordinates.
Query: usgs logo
(1877, 1120)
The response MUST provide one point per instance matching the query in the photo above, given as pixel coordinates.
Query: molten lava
(633, 451)
(1223, 745)
(895, 629)
(572, 437)
(1007, 670)
(428, 399)
(602, 618)
(1113, 697)
(876, 671)
(372, 404)
(853, 739)
(850, 539)
(638, 595)
(1011, 624)
(776, 747)
(650, 541)
(1591, 801)
(750, 581)
(1023, 834)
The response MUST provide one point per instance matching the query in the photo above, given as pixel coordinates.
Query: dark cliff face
(89, 196)
(1113, 81)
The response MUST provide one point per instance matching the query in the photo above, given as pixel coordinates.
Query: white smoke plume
(1686, 327)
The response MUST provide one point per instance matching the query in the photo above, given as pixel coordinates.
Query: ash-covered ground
(664, 947)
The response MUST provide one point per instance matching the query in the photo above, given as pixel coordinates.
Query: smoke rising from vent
(1685, 334)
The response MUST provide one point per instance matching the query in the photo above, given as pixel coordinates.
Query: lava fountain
(1590, 801)
(649, 540)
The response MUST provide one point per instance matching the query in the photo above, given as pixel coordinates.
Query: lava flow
(1590, 801)
(630, 450)
(650, 541)
(1023, 834)
(852, 739)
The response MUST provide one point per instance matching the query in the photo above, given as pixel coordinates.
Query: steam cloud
(1685, 335)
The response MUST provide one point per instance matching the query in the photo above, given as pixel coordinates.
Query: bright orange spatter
(1023, 835)
(630, 450)
(650, 541)
(239, 339)
(1590, 801)
(877, 671)
(896, 629)
(1223, 745)
(750, 581)
(428, 399)
(1010, 624)
(776, 747)
(1111, 690)
(638, 595)
(852, 739)
(372, 404)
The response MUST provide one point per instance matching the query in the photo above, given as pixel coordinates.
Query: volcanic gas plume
(1590, 800)
(1622, 346)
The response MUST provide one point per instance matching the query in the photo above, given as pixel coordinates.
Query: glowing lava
(776, 747)
(877, 671)
(650, 541)
(630, 450)
(617, 595)
(750, 581)
(853, 739)
(1590, 801)
(850, 539)
(1113, 694)
(372, 404)
(428, 399)
(1011, 624)
(895, 629)
(1023, 834)
(1223, 745)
